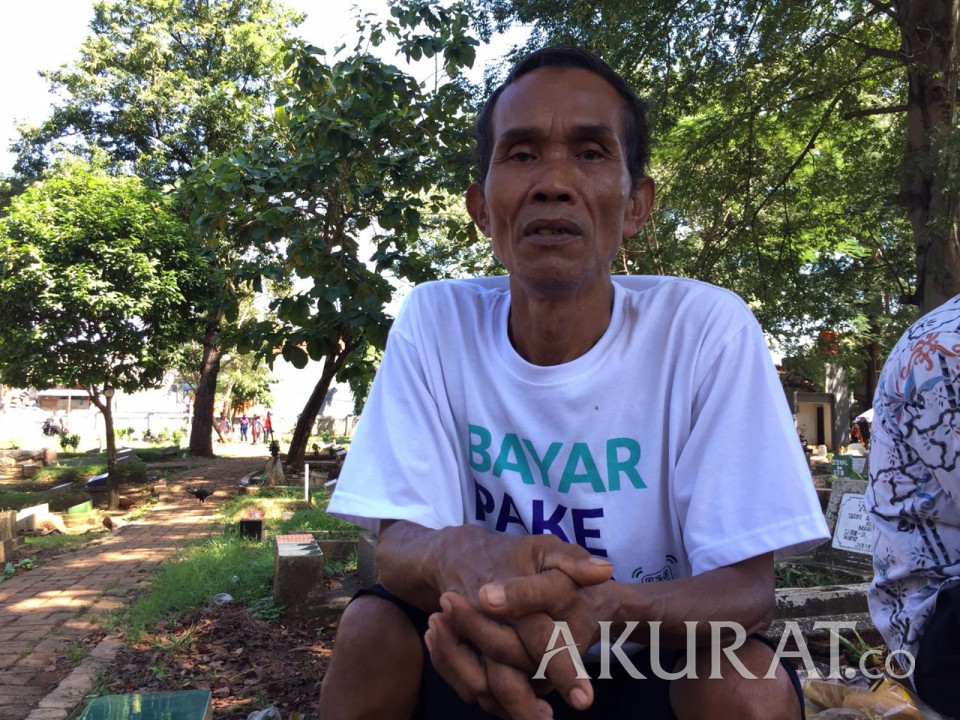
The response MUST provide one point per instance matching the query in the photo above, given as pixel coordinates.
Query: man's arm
(419, 564)
(741, 593)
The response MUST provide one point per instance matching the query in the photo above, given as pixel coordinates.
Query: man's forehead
(585, 102)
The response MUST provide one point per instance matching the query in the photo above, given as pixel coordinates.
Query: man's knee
(376, 665)
(371, 621)
(735, 693)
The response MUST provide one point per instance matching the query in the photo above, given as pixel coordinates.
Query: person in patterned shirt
(914, 496)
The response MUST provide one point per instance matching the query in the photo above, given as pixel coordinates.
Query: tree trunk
(929, 43)
(874, 363)
(301, 434)
(113, 477)
(201, 440)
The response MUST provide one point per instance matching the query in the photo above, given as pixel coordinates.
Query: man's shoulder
(443, 305)
(454, 296)
(687, 299)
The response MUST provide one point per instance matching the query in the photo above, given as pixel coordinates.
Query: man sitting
(561, 445)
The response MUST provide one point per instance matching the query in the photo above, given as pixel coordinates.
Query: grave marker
(851, 549)
(854, 530)
(849, 466)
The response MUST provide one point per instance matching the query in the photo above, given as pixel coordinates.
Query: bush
(69, 442)
(176, 436)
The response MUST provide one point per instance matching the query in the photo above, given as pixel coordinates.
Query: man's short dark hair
(567, 56)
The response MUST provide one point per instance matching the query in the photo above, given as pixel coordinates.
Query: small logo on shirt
(664, 573)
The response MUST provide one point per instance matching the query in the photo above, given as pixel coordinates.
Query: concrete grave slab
(298, 575)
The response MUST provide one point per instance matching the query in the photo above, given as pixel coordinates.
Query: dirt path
(52, 615)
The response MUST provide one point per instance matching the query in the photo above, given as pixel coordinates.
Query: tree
(163, 85)
(95, 276)
(356, 147)
(789, 139)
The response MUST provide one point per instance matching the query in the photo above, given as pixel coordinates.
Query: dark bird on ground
(200, 495)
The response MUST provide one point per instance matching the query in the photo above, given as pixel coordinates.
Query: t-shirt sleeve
(742, 485)
(401, 464)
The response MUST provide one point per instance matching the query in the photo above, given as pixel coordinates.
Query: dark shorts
(938, 657)
(439, 701)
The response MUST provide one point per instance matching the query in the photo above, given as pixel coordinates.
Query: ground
(58, 621)
(245, 662)
(52, 616)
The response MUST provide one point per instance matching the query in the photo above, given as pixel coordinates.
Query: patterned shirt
(914, 490)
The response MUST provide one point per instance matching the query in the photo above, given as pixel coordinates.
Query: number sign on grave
(854, 531)
(848, 466)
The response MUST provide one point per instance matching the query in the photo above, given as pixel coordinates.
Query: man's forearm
(418, 564)
(742, 593)
(406, 562)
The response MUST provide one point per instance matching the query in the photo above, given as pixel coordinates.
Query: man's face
(557, 201)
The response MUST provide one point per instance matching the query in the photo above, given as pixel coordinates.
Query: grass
(57, 474)
(200, 571)
(75, 653)
(316, 519)
(273, 503)
(800, 576)
(158, 454)
(58, 501)
(61, 542)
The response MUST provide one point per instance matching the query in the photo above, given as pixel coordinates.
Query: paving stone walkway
(45, 610)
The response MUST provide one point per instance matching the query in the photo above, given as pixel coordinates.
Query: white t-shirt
(914, 490)
(667, 448)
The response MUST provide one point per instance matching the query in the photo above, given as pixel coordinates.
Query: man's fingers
(494, 640)
(509, 696)
(550, 591)
(583, 568)
(455, 662)
(512, 690)
(562, 672)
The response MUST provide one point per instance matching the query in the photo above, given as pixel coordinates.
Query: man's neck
(550, 329)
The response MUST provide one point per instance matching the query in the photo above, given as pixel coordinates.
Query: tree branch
(874, 111)
(872, 51)
(887, 9)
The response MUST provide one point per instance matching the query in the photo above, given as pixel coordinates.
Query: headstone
(854, 528)
(29, 518)
(849, 466)
(851, 548)
(251, 529)
(175, 705)
(8, 524)
(298, 575)
(81, 509)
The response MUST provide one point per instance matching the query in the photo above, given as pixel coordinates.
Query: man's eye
(521, 156)
(591, 155)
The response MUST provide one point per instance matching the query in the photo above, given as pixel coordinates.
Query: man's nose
(554, 182)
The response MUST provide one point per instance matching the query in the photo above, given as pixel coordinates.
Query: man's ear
(638, 211)
(477, 207)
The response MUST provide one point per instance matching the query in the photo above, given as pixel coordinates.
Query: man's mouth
(551, 227)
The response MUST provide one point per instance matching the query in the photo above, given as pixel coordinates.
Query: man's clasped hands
(500, 598)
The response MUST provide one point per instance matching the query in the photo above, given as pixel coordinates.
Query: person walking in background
(244, 423)
(268, 428)
(255, 429)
